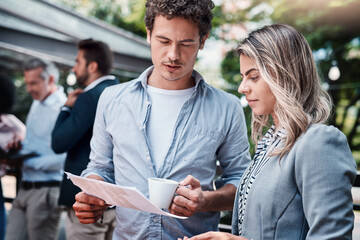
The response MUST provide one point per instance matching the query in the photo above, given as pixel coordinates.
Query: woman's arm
(324, 172)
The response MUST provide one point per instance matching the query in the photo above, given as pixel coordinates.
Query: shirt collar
(97, 81)
(53, 98)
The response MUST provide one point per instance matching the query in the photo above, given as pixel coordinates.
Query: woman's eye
(254, 78)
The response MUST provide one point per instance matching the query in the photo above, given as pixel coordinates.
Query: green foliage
(332, 27)
(23, 99)
(126, 15)
(230, 68)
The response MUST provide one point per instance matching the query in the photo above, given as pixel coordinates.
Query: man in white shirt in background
(35, 213)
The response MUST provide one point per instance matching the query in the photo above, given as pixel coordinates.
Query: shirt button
(155, 220)
(148, 158)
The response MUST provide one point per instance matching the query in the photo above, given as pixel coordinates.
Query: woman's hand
(214, 236)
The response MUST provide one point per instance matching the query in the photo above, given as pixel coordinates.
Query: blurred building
(42, 29)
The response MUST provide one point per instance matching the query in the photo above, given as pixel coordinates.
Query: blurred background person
(12, 132)
(35, 213)
(74, 128)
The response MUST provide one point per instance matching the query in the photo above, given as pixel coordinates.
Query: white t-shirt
(165, 109)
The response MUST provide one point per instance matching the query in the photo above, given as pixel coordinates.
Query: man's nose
(174, 52)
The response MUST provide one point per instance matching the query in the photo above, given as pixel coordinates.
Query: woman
(298, 186)
(12, 131)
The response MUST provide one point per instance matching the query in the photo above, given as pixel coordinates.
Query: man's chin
(171, 77)
(35, 97)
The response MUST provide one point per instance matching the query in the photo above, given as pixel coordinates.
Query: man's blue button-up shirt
(210, 127)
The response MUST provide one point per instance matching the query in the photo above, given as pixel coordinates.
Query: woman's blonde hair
(285, 61)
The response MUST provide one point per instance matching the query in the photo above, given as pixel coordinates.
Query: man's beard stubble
(82, 79)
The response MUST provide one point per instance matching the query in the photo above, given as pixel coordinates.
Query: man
(168, 123)
(35, 213)
(73, 131)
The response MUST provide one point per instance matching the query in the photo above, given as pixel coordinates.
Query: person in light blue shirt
(168, 123)
(35, 213)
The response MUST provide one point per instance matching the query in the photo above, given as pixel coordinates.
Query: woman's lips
(251, 102)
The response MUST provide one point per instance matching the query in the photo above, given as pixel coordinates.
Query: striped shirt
(264, 147)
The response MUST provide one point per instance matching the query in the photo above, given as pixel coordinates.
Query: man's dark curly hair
(198, 11)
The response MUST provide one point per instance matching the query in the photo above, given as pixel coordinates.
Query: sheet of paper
(128, 197)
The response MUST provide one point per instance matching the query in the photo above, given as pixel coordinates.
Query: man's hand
(89, 209)
(71, 99)
(15, 144)
(190, 198)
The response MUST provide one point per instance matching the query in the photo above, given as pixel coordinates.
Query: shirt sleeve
(101, 155)
(233, 154)
(50, 163)
(325, 171)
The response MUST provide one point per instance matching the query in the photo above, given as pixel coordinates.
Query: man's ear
(202, 41)
(148, 35)
(93, 67)
(51, 80)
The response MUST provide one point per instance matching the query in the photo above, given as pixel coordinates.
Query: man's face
(38, 88)
(80, 69)
(174, 47)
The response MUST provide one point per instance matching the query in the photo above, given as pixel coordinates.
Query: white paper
(112, 194)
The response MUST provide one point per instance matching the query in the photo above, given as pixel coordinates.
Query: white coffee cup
(161, 191)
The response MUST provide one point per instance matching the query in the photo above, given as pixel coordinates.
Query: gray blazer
(307, 195)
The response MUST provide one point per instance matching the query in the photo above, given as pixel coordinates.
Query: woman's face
(256, 90)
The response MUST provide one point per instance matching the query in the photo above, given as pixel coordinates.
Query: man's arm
(233, 155)
(45, 162)
(89, 209)
(71, 125)
(191, 199)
